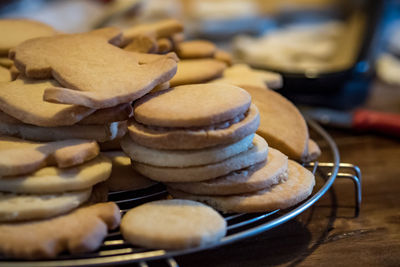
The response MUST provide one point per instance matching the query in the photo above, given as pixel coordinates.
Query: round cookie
(257, 153)
(192, 71)
(183, 158)
(295, 189)
(196, 138)
(173, 224)
(15, 207)
(55, 180)
(196, 49)
(16, 31)
(257, 177)
(5, 75)
(192, 105)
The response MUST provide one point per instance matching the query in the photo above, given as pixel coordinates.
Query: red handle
(388, 123)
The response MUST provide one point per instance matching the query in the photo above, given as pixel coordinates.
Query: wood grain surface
(328, 234)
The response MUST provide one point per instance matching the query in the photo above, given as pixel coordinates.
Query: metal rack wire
(115, 250)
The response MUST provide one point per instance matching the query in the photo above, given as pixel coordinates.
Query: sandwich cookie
(254, 178)
(257, 153)
(295, 189)
(172, 224)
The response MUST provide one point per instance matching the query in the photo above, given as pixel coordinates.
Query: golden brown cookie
(142, 44)
(97, 85)
(78, 232)
(223, 56)
(173, 224)
(5, 62)
(164, 45)
(121, 112)
(192, 71)
(296, 188)
(5, 75)
(192, 106)
(196, 49)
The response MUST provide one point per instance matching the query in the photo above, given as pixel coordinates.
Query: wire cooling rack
(115, 250)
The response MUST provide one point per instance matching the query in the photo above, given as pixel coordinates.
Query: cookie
(142, 44)
(313, 151)
(164, 45)
(192, 71)
(99, 133)
(160, 87)
(193, 105)
(80, 231)
(243, 76)
(183, 158)
(223, 56)
(281, 123)
(257, 153)
(98, 85)
(50, 180)
(254, 178)
(123, 177)
(160, 29)
(23, 100)
(121, 112)
(172, 224)
(6, 62)
(21, 157)
(195, 138)
(14, 72)
(196, 49)
(295, 189)
(5, 75)
(18, 207)
(16, 31)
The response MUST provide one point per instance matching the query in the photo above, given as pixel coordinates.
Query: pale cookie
(313, 151)
(18, 207)
(164, 45)
(142, 44)
(5, 75)
(123, 176)
(80, 231)
(66, 58)
(195, 138)
(281, 123)
(99, 133)
(192, 105)
(223, 56)
(254, 178)
(257, 153)
(16, 31)
(121, 112)
(159, 29)
(50, 180)
(295, 189)
(183, 158)
(23, 100)
(6, 62)
(20, 157)
(173, 224)
(243, 76)
(196, 49)
(192, 71)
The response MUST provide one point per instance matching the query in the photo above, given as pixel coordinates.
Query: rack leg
(357, 188)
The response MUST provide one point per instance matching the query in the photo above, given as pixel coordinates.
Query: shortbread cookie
(16, 31)
(192, 71)
(195, 138)
(281, 123)
(80, 231)
(5, 75)
(223, 56)
(257, 153)
(142, 44)
(295, 189)
(121, 112)
(5, 62)
(99, 133)
(313, 151)
(183, 158)
(192, 105)
(254, 178)
(173, 224)
(20, 157)
(96, 86)
(243, 76)
(23, 100)
(160, 29)
(160, 87)
(18, 207)
(123, 176)
(164, 45)
(50, 180)
(196, 49)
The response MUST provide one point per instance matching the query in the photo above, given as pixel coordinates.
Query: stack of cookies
(199, 139)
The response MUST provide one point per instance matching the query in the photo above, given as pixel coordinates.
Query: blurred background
(330, 52)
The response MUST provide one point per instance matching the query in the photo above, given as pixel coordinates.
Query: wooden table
(328, 234)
